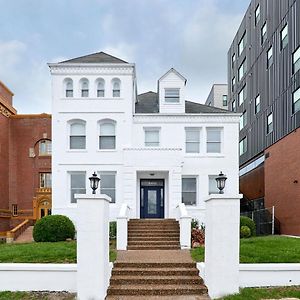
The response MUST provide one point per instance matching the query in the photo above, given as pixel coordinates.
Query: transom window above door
(151, 137)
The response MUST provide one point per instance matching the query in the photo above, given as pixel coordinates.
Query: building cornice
(32, 116)
(6, 109)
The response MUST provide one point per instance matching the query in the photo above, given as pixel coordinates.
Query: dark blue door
(152, 200)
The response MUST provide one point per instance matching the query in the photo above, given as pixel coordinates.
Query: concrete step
(153, 238)
(172, 297)
(157, 279)
(153, 247)
(148, 265)
(156, 271)
(152, 242)
(157, 289)
(153, 221)
(153, 231)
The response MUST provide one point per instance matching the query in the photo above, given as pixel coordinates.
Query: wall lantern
(221, 182)
(94, 182)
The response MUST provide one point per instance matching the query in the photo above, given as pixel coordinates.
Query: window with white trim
(116, 90)
(192, 140)
(212, 184)
(270, 123)
(77, 184)
(257, 104)
(77, 135)
(100, 88)
(84, 88)
(45, 147)
(69, 88)
(45, 180)
(189, 190)
(172, 95)
(152, 137)
(296, 60)
(108, 184)
(213, 140)
(284, 39)
(296, 100)
(243, 146)
(107, 137)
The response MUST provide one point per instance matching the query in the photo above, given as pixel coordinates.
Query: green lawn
(35, 296)
(265, 293)
(267, 249)
(60, 252)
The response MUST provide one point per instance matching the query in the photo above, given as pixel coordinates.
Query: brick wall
(282, 182)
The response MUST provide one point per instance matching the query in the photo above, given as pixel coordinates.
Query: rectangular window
(77, 184)
(14, 209)
(107, 138)
(243, 146)
(284, 36)
(189, 190)
(257, 104)
(151, 137)
(233, 60)
(192, 140)
(45, 147)
(263, 33)
(243, 120)
(296, 100)
(270, 123)
(212, 184)
(257, 14)
(296, 60)
(242, 69)
(108, 184)
(69, 93)
(45, 180)
(100, 93)
(224, 100)
(269, 57)
(77, 136)
(242, 95)
(213, 140)
(172, 95)
(233, 105)
(242, 44)
(232, 84)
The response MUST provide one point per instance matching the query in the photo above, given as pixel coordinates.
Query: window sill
(91, 98)
(205, 155)
(44, 155)
(107, 150)
(77, 151)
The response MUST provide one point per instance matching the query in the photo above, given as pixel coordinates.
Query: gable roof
(96, 58)
(174, 71)
(148, 103)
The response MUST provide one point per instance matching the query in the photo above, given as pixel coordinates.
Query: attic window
(172, 95)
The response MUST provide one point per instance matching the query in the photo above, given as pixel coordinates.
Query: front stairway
(160, 271)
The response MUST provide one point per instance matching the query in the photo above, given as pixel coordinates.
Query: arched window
(100, 88)
(84, 88)
(116, 85)
(68, 87)
(107, 137)
(45, 147)
(77, 135)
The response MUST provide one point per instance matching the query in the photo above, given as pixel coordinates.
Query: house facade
(217, 96)
(152, 151)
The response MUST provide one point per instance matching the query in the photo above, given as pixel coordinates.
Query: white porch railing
(122, 227)
(185, 227)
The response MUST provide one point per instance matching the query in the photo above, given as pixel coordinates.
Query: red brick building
(25, 164)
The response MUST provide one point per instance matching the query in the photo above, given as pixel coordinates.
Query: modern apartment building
(264, 86)
(218, 96)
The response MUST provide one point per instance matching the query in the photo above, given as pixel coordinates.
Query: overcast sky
(193, 36)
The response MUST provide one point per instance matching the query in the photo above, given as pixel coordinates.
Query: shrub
(194, 223)
(198, 237)
(245, 232)
(53, 228)
(245, 221)
(112, 230)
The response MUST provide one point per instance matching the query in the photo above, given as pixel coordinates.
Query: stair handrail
(17, 231)
(185, 226)
(122, 227)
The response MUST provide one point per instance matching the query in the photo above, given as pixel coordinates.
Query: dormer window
(172, 95)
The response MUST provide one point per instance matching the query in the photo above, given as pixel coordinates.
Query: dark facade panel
(275, 83)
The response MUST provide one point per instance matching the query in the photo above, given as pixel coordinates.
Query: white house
(152, 151)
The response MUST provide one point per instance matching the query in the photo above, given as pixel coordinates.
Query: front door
(152, 198)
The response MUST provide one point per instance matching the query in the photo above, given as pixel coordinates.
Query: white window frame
(82, 190)
(68, 92)
(151, 129)
(71, 123)
(101, 123)
(84, 92)
(116, 93)
(196, 192)
(221, 129)
(173, 99)
(48, 148)
(100, 81)
(192, 129)
(45, 179)
(103, 173)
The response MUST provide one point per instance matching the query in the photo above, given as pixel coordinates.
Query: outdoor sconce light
(221, 182)
(94, 181)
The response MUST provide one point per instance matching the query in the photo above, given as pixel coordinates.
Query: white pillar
(122, 226)
(92, 246)
(222, 245)
(185, 232)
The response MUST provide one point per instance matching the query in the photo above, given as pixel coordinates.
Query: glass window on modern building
(257, 14)
(242, 44)
(233, 60)
(269, 57)
(270, 123)
(189, 190)
(232, 84)
(263, 33)
(243, 120)
(224, 100)
(296, 100)
(242, 95)
(284, 36)
(296, 60)
(243, 146)
(233, 105)
(242, 69)
(257, 104)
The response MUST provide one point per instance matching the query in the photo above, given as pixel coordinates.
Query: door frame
(162, 209)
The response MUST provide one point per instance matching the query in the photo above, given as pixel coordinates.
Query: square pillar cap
(224, 197)
(93, 197)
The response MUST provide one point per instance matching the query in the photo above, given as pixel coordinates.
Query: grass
(60, 252)
(35, 296)
(265, 293)
(267, 249)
